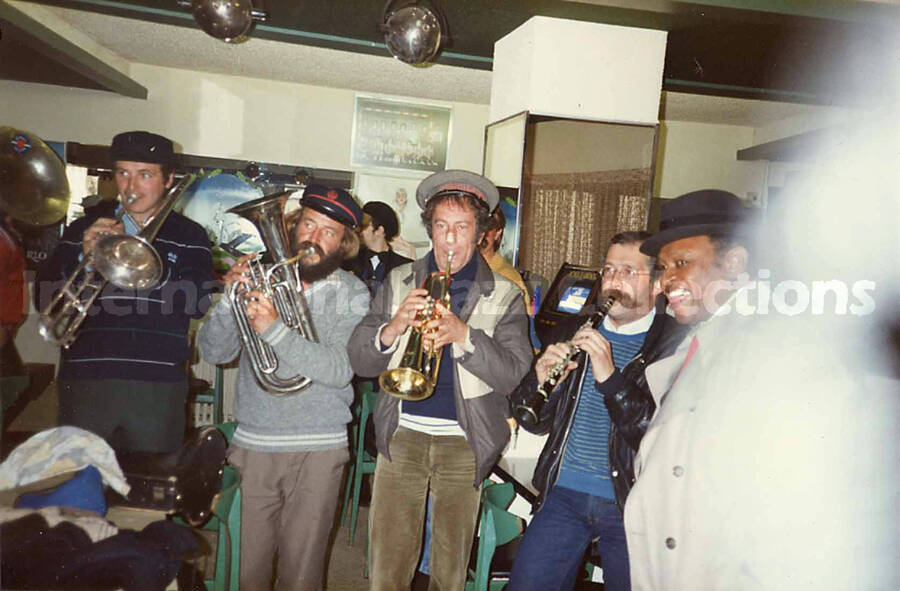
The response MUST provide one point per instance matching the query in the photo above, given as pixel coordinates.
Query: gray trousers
(445, 465)
(288, 504)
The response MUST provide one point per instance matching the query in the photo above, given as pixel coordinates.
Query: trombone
(126, 261)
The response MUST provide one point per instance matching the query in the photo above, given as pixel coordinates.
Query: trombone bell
(128, 262)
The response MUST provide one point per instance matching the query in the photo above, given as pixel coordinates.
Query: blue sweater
(135, 335)
(585, 465)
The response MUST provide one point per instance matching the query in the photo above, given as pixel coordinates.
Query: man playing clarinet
(585, 468)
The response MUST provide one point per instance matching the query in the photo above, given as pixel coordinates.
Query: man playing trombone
(291, 447)
(124, 376)
(441, 434)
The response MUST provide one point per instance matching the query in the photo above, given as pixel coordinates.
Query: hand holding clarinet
(559, 359)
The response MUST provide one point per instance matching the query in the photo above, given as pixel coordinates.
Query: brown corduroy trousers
(445, 465)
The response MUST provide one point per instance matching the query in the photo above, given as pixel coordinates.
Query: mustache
(308, 244)
(621, 296)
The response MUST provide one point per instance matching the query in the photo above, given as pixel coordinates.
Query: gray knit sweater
(317, 417)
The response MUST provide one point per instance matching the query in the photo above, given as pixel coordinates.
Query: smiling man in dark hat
(446, 443)
(702, 247)
(678, 516)
(124, 378)
(291, 449)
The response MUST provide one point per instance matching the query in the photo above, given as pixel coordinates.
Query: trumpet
(126, 261)
(527, 413)
(416, 376)
(280, 281)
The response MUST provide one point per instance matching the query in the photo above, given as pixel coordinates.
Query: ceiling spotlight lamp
(228, 20)
(413, 32)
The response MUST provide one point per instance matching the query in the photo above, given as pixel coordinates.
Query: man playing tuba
(291, 449)
(446, 443)
(124, 377)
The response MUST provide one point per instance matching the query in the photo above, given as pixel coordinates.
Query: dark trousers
(550, 554)
(130, 415)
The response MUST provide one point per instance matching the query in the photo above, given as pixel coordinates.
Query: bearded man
(585, 468)
(291, 450)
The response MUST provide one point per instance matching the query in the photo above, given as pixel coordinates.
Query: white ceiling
(191, 49)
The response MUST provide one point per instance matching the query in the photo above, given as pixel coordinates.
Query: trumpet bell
(406, 383)
(128, 262)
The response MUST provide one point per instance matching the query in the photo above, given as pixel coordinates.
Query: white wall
(212, 115)
(218, 115)
(703, 156)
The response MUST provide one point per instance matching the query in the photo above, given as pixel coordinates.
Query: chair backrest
(496, 499)
(367, 405)
(497, 526)
(227, 429)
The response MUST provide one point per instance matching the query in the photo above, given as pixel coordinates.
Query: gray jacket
(485, 375)
(315, 418)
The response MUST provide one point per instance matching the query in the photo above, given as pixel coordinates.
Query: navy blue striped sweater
(135, 335)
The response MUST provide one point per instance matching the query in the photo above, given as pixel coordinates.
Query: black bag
(182, 483)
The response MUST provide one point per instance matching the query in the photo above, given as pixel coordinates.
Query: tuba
(279, 278)
(126, 261)
(417, 374)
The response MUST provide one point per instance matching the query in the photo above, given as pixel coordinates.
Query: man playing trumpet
(291, 449)
(448, 442)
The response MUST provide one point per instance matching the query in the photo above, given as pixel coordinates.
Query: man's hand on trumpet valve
(553, 355)
(405, 316)
(446, 328)
(98, 229)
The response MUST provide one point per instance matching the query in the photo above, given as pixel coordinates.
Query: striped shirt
(129, 334)
(585, 465)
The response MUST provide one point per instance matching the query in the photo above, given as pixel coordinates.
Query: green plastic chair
(497, 527)
(363, 462)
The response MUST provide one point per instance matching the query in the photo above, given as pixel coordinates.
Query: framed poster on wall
(399, 135)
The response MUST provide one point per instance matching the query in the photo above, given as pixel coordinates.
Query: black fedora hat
(708, 211)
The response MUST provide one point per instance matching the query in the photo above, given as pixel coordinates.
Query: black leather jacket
(627, 399)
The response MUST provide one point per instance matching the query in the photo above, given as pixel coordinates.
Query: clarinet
(527, 413)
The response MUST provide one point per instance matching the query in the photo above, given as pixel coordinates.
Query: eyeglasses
(627, 273)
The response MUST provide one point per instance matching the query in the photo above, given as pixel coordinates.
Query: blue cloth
(585, 465)
(549, 556)
(83, 491)
(442, 404)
